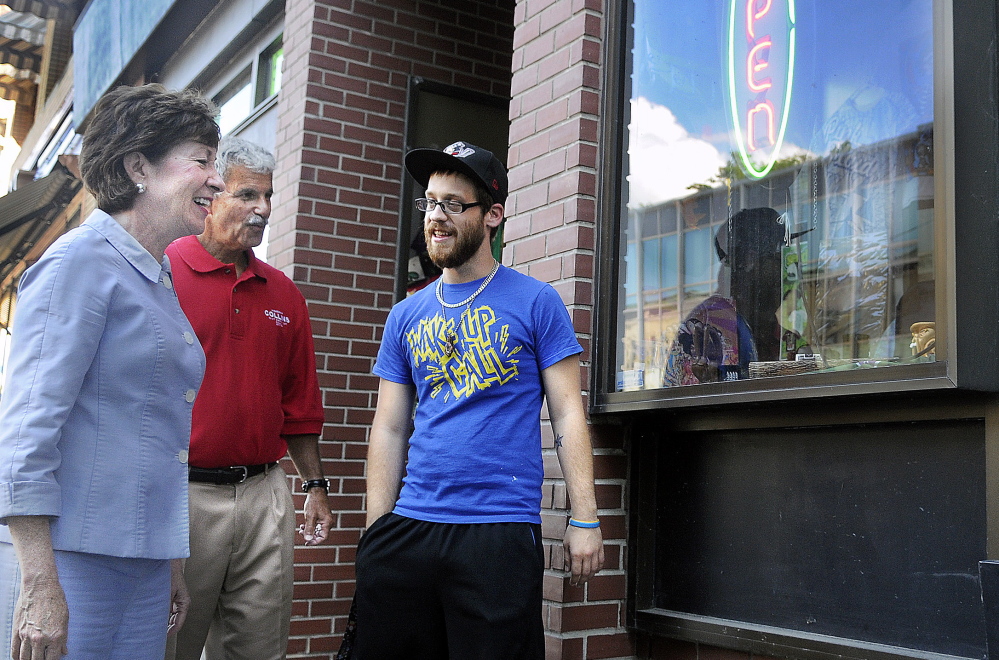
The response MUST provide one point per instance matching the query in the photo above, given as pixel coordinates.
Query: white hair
(237, 152)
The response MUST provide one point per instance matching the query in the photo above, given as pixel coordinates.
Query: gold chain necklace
(450, 336)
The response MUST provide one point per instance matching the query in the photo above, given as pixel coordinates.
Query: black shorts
(438, 591)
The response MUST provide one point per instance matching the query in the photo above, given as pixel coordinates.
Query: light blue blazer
(95, 415)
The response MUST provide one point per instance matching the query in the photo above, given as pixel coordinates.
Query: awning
(22, 41)
(27, 212)
(57, 9)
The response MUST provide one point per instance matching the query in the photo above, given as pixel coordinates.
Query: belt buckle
(245, 472)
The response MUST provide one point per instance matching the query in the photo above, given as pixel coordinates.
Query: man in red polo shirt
(260, 399)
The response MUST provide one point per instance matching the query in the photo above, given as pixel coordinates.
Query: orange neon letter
(752, 15)
(767, 108)
(755, 64)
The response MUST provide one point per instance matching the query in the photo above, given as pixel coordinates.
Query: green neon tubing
(750, 168)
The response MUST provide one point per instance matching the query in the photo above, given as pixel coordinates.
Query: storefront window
(235, 102)
(779, 190)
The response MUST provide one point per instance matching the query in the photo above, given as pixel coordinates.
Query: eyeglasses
(449, 206)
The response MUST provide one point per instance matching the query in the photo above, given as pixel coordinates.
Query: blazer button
(190, 396)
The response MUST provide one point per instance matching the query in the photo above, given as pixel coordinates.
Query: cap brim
(421, 163)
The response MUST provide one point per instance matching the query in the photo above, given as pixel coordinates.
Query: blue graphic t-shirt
(475, 454)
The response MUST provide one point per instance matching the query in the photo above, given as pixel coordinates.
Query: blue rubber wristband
(586, 524)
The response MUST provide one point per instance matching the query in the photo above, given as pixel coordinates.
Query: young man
(260, 399)
(451, 564)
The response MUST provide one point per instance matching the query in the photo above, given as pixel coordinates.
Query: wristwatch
(316, 483)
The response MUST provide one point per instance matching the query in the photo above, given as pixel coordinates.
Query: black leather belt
(236, 474)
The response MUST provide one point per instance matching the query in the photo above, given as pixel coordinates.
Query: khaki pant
(240, 573)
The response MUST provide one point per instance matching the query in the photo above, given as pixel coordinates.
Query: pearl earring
(141, 187)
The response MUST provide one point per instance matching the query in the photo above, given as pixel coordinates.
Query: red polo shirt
(260, 383)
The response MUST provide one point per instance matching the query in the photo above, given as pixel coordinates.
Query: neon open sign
(760, 73)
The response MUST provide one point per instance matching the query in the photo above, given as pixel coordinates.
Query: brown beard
(466, 244)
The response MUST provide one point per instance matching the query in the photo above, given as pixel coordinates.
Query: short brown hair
(148, 119)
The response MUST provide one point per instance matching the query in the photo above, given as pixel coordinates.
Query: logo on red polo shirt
(280, 320)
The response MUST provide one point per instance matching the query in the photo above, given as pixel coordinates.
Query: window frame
(422, 90)
(264, 64)
(251, 58)
(966, 307)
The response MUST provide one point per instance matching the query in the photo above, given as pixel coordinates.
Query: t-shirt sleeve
(302, 401)
(392, 362)
(555, 338)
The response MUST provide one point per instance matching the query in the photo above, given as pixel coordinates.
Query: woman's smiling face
(180, 188)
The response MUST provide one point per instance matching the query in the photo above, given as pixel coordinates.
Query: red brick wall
(551, 236)
(339, 148)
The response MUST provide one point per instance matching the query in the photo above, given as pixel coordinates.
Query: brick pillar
(333, 231)
(341, 122)
(550, 236)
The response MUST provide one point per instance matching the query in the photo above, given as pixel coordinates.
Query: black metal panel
(866, 532)
(988, 571)
(976, 194)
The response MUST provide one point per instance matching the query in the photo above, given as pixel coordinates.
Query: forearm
(575, 455)
(304, 452)
(386, 461)
(32, 539)
(583, 545)
(387, 446)
(572, 435)
(41, 617)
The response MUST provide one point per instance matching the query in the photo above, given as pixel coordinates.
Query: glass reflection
(780, 190)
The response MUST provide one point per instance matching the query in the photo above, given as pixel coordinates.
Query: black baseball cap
(475, 162)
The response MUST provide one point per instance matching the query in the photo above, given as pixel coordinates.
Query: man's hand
(304, 451)
(318, 517)
(180, 599)
(41, 622)
(584, 553)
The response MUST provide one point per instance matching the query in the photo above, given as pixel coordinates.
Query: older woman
(96, 415)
